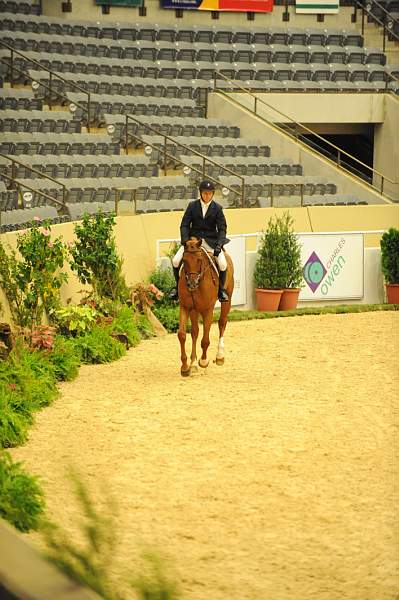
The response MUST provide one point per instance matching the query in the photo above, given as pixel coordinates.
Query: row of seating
(38, 121)
(196, 53)
(101, 104)
(123, 86)
(137, 165)
(210, 147)
(170, 126)
(197, 88)
(101, 189)
(16, 99)
(47, 26)
(65, 166)
(27, 7)
(57, 143)
(248, 165)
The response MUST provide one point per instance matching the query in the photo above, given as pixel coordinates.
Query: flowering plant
(32, 281)
(142, 295)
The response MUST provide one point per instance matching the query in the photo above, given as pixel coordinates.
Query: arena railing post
(164, 155)
(301, 194)
(51, 90)
(12, 68)
(126, 135)
(88, 113)
(271, 194)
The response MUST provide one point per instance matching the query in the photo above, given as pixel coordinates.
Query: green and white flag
(319, 7)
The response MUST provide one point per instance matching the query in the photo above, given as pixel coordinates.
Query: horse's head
(193, 262)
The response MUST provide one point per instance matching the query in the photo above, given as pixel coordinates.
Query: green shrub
(164, 280)
(32, 280)
(168, 316)
(125, 322)
(64, 359)
(32, 375)
(98, 346)
(95, 258)
(21, 497)
(278, 264)
(15, 419)
(143, 325)
(90, 561)
(76, 319)
(390, 255)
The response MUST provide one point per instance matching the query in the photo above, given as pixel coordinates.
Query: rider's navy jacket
(212, 228)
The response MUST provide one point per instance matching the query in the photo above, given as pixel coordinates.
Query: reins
(199, 275)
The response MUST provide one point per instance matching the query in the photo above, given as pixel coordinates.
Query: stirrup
(174, 294)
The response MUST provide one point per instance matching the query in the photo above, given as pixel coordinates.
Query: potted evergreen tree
(278, 268)
(390, 263)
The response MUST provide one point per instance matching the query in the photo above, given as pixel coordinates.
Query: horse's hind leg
(207, 319)
(194, 337)
(224, 311)
(185, 368)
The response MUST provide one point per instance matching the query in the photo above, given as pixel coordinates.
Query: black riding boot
(222, 294)
(174, 294)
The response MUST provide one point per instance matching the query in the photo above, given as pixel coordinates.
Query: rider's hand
(217, 251)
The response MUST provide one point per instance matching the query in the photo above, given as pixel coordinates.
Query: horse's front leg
(185, 367)
(207, 319)
(194, 337)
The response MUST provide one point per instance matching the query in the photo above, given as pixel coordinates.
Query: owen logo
(314, 272)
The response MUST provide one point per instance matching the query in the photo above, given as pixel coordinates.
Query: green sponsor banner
(327, 7)
(119, 2)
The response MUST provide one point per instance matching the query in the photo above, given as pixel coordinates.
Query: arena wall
(86, 10)
(137, 236)
(386, 143)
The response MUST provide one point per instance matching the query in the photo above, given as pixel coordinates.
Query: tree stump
(6, 340)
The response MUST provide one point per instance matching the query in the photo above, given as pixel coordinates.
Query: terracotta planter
(289, 299)
(392, 293)
(268, 300)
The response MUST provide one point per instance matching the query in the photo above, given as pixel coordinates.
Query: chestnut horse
(198, 292)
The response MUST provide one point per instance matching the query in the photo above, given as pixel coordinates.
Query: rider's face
(206, 196)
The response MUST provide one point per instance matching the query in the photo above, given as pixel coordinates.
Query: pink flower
(46, 232)
(36, 218)
(23, 232)
(50, 244)
(69, 244)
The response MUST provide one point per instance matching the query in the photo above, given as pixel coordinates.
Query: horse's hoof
(219, 361)
(194, 368)
(185, 373)
(203, 363)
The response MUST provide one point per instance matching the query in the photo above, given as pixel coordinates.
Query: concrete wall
(87, 10)
(255, 128)
(136, 237)
(386, 144)
(317, 108)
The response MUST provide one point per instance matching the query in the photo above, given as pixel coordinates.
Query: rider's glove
(217, 251)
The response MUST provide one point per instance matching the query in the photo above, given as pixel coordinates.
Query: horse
(198, 292)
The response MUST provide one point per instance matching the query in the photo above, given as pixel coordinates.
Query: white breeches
(221, 259)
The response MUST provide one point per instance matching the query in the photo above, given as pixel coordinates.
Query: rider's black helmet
(206, 186)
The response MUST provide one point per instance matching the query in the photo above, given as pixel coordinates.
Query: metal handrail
(14, 161)
(52, 74)
(387, 18)
(39, 192)
(306, 129)
(179, 161)
(191, 150)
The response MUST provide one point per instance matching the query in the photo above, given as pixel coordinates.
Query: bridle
(193, 278)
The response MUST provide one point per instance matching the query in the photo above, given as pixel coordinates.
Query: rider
(204, 218)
